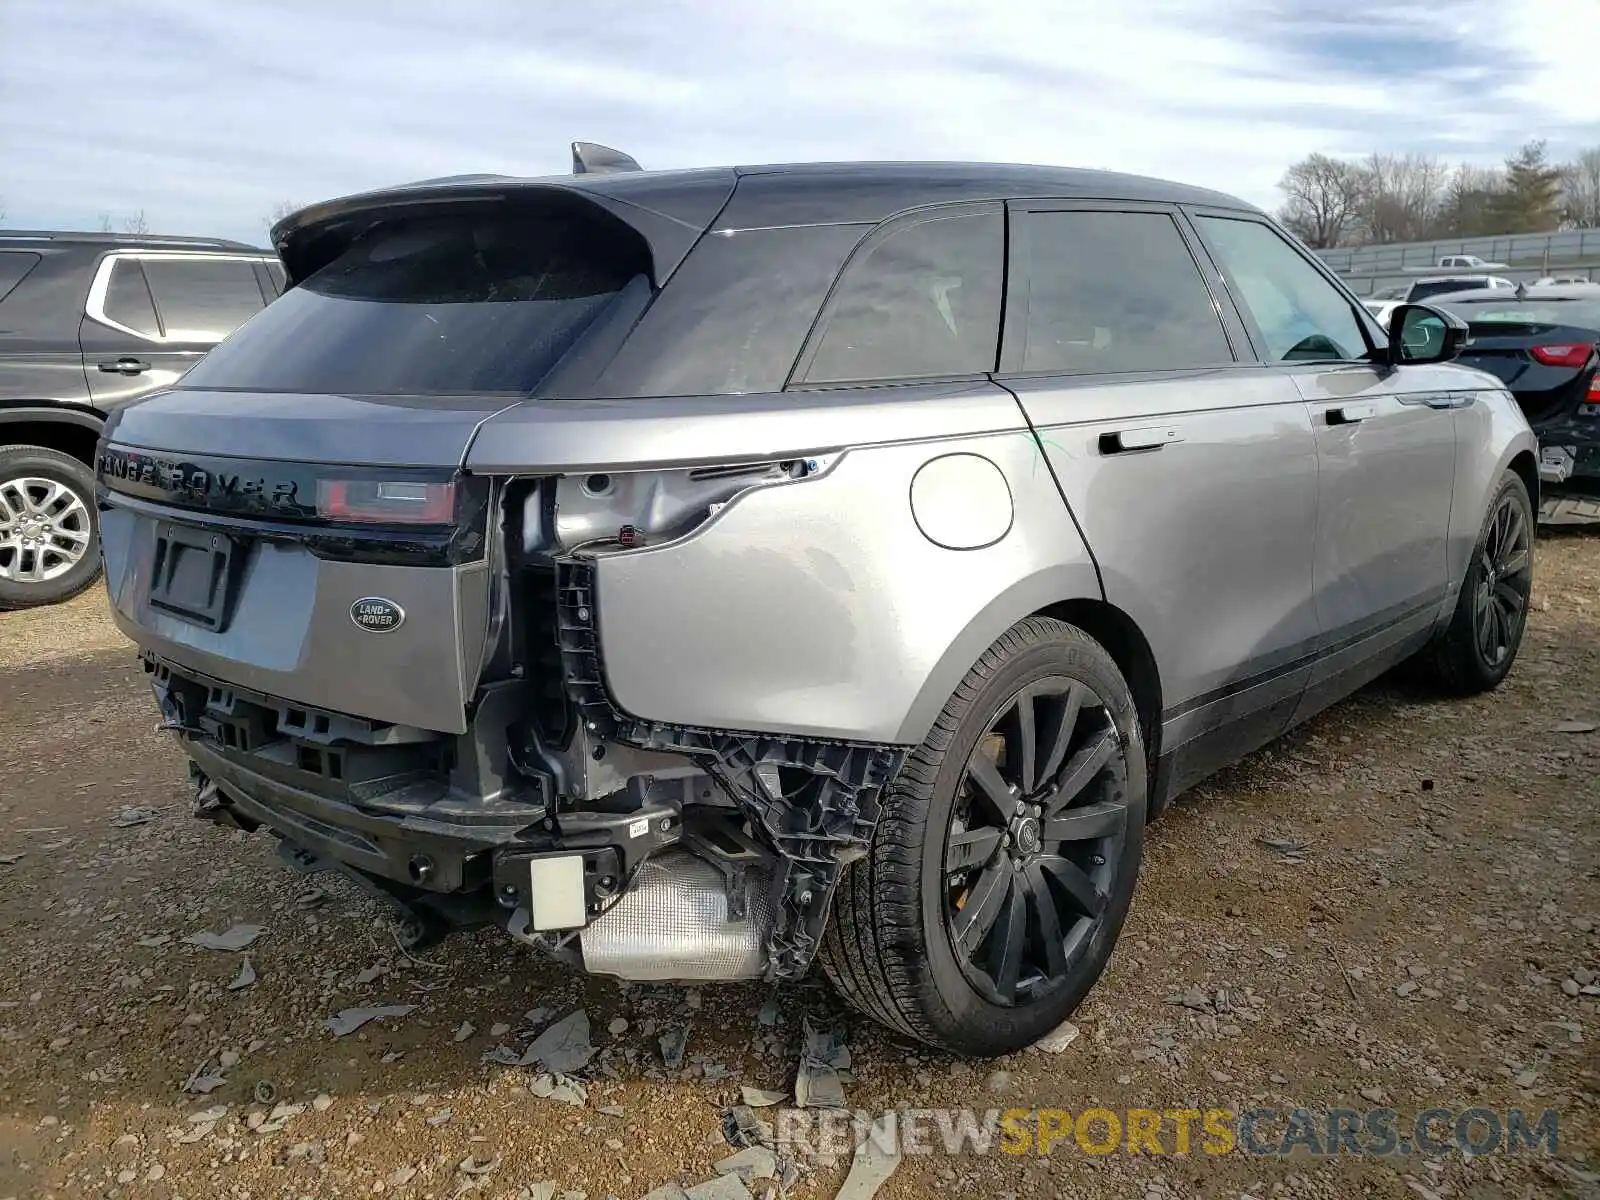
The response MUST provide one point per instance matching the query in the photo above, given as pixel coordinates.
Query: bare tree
(1580, 191)
(1404, 200)
(282, 209)
(1323, 199)
(136, 224)
(105, 223)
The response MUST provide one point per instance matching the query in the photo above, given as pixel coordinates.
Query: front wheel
(49, 531)
(1004, 860)
(1475, 651)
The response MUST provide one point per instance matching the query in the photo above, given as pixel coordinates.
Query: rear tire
(1475, 651)
(944, 931)
(49, 527)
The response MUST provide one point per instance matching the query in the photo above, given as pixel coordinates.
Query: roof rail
(591, 158)
(124, 239)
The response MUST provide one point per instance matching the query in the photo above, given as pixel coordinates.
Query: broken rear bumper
(1569, 457)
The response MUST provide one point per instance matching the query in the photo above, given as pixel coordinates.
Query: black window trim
(796, 380)
(94, 305)
(1371, 330)
(1014, 323)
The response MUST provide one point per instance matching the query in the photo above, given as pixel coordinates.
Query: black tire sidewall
(51, 464)
(972, 1021)
(1490, 675)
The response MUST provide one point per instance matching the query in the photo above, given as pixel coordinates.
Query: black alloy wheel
(1038, 824)
(1505, 580)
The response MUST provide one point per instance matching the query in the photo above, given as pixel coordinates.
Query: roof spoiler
(591, 158)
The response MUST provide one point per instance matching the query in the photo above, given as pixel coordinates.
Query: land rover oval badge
(377, 615)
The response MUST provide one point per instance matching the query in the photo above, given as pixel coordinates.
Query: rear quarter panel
(826, 608)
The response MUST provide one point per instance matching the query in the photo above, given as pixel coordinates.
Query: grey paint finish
(1386, 449)
(370, 430)
(577, 435)
(291, 634)
(832, 615)
(1204, 541)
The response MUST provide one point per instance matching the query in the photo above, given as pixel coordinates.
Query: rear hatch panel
(271, 521)
(285, 608)
(269, 432)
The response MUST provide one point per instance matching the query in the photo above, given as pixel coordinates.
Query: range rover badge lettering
(377, 615)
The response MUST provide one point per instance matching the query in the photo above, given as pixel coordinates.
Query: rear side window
(203, 300)
(734, 316)
(448, 303)
(1301, 316)
(1116, 291)
(923, 302)
(14, 268)
(128, 300)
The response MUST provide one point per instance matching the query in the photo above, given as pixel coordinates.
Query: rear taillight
(1593, 395)
(1563, 354)
(381, 502)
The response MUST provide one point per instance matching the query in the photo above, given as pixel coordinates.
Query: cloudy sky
(206, 113)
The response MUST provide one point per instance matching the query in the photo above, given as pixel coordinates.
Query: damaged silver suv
(703, 573)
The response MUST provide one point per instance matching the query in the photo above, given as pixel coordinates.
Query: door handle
(1350, 414)
(1124, 441)
(124, 366)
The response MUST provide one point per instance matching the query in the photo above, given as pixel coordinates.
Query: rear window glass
(733, 317)
(923, 302)
(203, 299)
(433, 306)
(1438, 287)
(1116, 291)
(128, 300)
(14, 268)
(1508, 310)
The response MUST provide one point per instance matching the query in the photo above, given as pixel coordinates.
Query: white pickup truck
(1468, 262)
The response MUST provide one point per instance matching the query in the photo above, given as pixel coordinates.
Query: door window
(1302, 317)
(1116, 291)
(128, 300)
(203, 300)
(923, 303)
(14, 268)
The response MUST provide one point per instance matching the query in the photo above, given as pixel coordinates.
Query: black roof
(671, 209)
(133, 241)
(859, 191)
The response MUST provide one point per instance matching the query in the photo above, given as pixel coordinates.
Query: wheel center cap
(1027, 835)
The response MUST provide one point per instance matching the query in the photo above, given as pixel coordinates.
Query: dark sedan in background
(1543, 341)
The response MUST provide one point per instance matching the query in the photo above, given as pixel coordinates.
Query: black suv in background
(89, 322)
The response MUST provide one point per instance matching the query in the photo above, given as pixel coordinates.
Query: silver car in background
(706, 573)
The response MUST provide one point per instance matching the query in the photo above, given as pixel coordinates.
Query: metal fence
(1575, 251)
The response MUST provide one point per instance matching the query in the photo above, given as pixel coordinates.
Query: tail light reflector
(1563, 354)
(386, 503)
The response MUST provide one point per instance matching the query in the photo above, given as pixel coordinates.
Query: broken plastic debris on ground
(237, 937)
(818, 1081)
(351, 1019)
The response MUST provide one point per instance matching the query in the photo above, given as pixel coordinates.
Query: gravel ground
(1422, 950)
